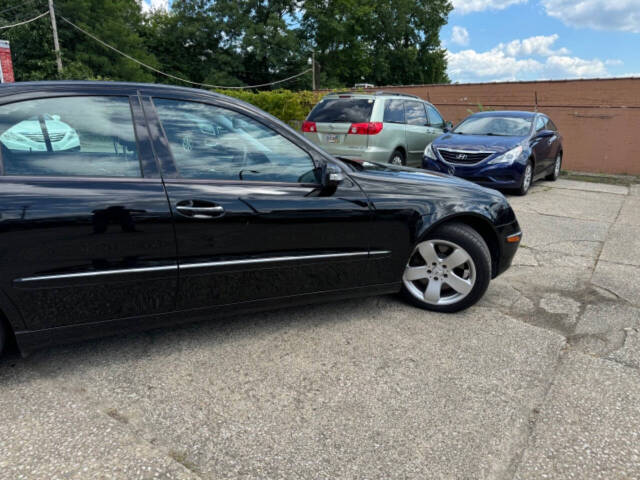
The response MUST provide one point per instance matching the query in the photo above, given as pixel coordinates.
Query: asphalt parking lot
(539, 380)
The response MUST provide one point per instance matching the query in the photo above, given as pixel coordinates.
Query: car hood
(489, 143)
(430, 193)
(406, 180)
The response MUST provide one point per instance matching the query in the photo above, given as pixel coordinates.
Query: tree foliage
(238, 42)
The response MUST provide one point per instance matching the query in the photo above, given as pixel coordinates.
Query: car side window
(415, 113)
(209, 142)
(69, 136)
(551, 126)
(393, 111)
(435, 120)
(540, 124)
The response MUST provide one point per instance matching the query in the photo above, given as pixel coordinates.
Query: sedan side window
(211, 142)
(69, 136)
(540, 124)
(415, 113)
(551, 126)
(435, 120)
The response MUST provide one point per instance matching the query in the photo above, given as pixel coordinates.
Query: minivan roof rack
(379, 92)
(382, 92)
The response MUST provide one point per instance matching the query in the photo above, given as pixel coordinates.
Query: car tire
(557, 166)
(429, 283)
(526, 180)
(398, 158)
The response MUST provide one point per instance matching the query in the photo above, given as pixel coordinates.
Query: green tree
(117, 22)
(392, 42)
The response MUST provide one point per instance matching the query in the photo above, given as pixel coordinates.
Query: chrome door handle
(185, 208)
(188, 209)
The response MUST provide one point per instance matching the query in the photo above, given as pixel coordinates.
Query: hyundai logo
(461, 156)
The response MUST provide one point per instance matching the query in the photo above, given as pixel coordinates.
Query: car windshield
(495, 125)
(342, 110)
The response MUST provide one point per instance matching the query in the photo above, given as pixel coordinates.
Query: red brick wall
(599, 119)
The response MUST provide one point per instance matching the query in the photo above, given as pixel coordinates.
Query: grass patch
(625, 180)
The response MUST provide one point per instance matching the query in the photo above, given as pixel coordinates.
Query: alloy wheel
(396, 160)
(556, 168)
(439, 272)
(526, 181)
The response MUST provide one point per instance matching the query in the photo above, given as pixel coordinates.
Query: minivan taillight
(309, 126)
(369, 128)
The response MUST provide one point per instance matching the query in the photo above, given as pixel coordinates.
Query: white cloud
(623, 15)
(540, 45)
(153, 5)
(526, 59)
(563, 66)
(494, 65)
(468, 6)
(460, 36)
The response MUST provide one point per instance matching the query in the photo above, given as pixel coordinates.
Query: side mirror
(448, 126)
(332, 176)
(545, 134)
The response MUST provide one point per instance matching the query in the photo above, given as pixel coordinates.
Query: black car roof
(507, 113)
(13, 88)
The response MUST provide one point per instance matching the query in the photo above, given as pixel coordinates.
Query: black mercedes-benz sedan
(129, 206)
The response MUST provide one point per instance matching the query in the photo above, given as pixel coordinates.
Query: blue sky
(498, 40)
(494, 40)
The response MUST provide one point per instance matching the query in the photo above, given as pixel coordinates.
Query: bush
(290, 107)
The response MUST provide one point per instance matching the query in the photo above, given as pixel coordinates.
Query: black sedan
(506, 150)
(176, 204)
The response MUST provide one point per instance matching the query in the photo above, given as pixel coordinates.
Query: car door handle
(199, 209)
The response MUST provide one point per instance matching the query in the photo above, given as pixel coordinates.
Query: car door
(85, 226)
(251, 221)
(417, 131)
(541, 146)
(554, 140)
(436, 123)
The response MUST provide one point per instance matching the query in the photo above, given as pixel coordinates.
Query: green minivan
(378, 127)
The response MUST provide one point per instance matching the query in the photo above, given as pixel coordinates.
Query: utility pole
(56, 45)
(313, 69)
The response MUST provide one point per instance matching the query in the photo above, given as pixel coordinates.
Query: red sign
(6, 66)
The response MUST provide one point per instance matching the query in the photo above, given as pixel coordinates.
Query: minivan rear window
(342, 110)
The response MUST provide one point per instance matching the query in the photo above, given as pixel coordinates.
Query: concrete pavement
(540, 380)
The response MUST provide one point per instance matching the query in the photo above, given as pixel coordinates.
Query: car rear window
(342, 110)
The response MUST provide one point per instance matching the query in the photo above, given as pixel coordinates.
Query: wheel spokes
(412, 274)
(459, 284)
(432, 293)
(456, 258)
(428, 252)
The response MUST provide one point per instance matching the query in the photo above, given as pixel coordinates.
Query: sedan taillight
(309, 126)
(369, 128)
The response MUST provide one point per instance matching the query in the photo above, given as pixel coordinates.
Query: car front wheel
(448, 271)
(557, 166)
(527, 178)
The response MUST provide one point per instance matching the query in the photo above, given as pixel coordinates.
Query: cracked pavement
(540, 380)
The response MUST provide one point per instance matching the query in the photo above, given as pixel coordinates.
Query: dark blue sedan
(502, 150)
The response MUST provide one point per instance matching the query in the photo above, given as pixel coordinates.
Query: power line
(105, 44)
(26, 21)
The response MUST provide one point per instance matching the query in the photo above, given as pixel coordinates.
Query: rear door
(251, 222)
(417, 131)
(85, 228)
(541, 146)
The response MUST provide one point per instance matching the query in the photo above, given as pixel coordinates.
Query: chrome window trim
(189, 266)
